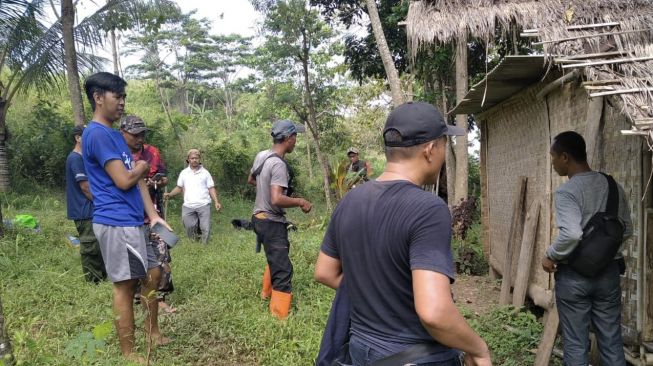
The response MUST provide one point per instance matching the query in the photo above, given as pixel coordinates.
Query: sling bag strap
(291, 172)
(409, 355)
(612, 207)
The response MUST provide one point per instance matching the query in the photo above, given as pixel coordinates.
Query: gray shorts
(125, 251)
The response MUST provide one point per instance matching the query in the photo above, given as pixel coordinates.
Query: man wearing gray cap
(391, 240)
(273, 178)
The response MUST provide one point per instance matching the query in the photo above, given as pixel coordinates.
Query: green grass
(51, 310)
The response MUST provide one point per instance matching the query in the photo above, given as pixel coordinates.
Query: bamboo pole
(621, 91)
(609, 62)
(514, 235)
(579, 27)
(592, 35)
(589, 55)
(557, 83)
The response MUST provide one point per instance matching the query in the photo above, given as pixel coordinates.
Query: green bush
(39, 145)
(468, 253)
(510, 334)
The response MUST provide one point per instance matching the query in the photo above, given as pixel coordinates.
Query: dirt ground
(477, 293)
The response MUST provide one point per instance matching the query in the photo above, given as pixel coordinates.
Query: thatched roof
(607, 34)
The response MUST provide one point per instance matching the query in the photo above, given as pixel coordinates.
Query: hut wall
(516, 144)
(517, 137)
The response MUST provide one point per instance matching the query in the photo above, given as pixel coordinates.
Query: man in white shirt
(197, 185)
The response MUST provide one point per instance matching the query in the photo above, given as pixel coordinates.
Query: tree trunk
(70, 58)
(312, 124)
(4, 159)
(384, 51)
(114, 52)
(450, 159)
(310, 159)
(461, 121)
(6, 355)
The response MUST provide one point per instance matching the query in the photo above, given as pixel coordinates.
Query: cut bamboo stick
(548, 338)
(526, 255)
(593, 129)
(609, 62)
(601, 82)
(589, 55)
(577, 27)
(634, 133)
(621, 91)
(592, 35)
(557, 83)
(598, 87)
(514, 235)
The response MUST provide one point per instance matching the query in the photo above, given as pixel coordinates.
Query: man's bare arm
(441, 318)
(279, 199)
(123, 178)
(328, 271)
(86, 189)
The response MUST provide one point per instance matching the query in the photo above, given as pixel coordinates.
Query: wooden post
(593, 130)
(513, 235)
(548, 338)
(526, 255)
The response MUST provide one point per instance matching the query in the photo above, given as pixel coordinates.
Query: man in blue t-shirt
(120, 197)
(79, 202)
(392, 242)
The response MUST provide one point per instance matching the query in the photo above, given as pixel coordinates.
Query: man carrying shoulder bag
(593, 219)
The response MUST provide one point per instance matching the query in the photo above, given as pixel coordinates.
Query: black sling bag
(602, 237)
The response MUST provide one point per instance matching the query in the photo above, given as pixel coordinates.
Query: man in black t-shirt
(392, 241)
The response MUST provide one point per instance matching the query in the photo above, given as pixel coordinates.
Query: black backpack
(602, 237)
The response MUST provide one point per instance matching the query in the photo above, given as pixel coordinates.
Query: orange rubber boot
(280, 304)
(266, 288)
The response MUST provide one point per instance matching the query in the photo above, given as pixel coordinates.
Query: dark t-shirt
(79, 207)
(381, 231)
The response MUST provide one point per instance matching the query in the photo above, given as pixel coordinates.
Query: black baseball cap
(417, 123)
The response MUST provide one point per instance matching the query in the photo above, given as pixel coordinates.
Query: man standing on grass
(120, 197)
(392, 242)
(273, 177)
(583, 300)
(133, 131)
(80, 209)
(361, 168)
(197, 185)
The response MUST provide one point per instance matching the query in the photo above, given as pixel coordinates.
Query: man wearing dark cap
(80, 209)
(133, 130)
(273, 177)
(360, 168)
(392, 241)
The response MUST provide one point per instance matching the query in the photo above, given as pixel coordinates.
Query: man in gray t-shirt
(273, 180)
(581, 300)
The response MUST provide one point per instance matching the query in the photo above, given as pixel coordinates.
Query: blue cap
(286, 128)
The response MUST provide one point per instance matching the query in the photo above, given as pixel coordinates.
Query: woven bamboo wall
(517, 144)
(517, 141)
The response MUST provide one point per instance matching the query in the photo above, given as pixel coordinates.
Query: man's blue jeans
(363, 355)
(581, 301)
